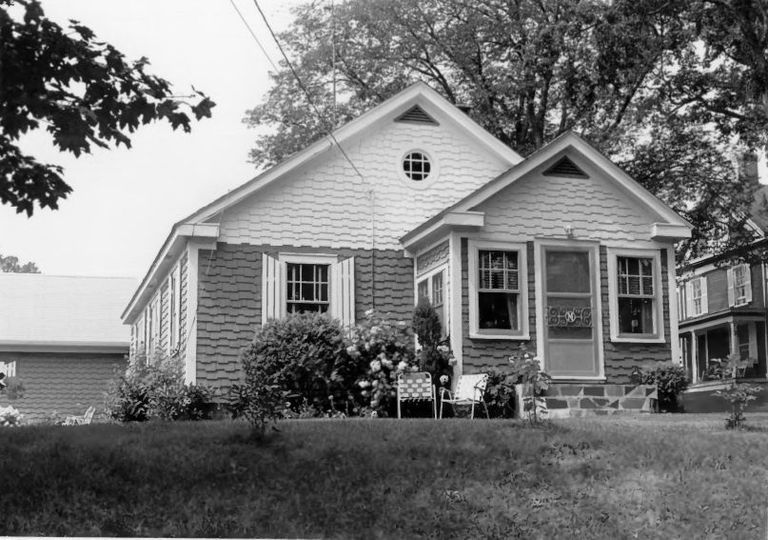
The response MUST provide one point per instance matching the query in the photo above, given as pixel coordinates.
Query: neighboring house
(722, 307)
(561, 251)
(61, 337)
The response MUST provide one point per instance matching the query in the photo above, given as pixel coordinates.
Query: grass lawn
(667, 476)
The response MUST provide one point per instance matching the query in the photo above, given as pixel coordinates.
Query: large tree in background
(81, 90)
(10, 263)
(659, 86)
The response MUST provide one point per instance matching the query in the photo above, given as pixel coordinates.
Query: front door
(571, 325)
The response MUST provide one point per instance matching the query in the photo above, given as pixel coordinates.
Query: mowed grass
(660, 476)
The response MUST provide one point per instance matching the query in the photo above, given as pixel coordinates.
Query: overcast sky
(124, 202)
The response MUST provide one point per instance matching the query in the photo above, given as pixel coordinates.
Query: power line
(306, 91)
(254, 36)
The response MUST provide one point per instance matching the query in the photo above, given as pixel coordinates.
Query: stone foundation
(567, 400)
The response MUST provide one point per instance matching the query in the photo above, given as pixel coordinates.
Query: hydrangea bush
(384, 348)
(10, 417)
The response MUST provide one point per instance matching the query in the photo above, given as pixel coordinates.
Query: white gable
(325, 203)
(596, 207)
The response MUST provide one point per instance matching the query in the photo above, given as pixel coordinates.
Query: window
(497, 290)
(635, 293)
(307, 287)
(739, 285)
(8, 368)
(417, 166)
(696, 292)
(432, 288)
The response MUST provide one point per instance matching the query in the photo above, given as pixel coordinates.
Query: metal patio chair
(469, 391)
(415, 386)
(75, 420)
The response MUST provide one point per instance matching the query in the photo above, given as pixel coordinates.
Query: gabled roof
(672, 226)
(42, 312)
(417, 94)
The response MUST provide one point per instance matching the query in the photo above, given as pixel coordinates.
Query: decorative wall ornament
(569, 317)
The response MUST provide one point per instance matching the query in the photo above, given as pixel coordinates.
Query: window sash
(311, 290)
(642, 278)
(498, 271)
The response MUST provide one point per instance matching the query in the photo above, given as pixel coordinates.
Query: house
(722, 307)
(561, 250)
(61, 337)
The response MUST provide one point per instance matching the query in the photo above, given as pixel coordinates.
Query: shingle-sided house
(61, 337)
(562, 250)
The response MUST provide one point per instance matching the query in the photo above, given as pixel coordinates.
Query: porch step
(568, 400)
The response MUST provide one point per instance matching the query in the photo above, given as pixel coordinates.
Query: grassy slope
(665, 476)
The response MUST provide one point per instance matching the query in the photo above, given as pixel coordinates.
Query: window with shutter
(697, 296)
(740, 286)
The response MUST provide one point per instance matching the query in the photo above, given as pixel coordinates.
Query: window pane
(498, 270)
(636, 315)
(307, 287)
(423, 290)
(568, 271)
(497, 311)
(437, 289)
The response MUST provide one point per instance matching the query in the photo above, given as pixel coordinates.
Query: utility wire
(254, 36)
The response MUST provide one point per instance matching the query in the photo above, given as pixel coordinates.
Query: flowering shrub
(10, 417)
(384, 348)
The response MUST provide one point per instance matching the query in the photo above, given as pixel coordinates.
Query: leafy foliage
(384, 348)
(11, 264)
(157, 391)
(670, 380)
(500, 394)
(738, 395)
(11, 386)
(670, 90)
(304, 355)
(82, 90)
(434, 356)
(526, 370)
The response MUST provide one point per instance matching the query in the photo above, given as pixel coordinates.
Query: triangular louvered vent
(565, 167)
(416, 115)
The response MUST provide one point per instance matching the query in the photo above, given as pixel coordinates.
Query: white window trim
(434, 171)
(9, 368)
(446, 292)
(473, 247)
(689, 298)
(304, 258)
(613, 297)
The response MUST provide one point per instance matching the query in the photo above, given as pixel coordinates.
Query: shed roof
(41, 311)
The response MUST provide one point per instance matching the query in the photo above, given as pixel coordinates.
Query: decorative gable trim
(417, 115)
(565, 167)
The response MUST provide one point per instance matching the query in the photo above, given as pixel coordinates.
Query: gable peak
(565, 167)
(416, 115)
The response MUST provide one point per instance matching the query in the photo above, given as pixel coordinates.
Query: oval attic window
(416, 166)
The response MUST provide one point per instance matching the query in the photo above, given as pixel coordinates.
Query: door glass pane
(568, 271)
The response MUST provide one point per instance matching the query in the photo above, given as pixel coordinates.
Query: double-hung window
(498, 290)
(696, 296)
(432, 288)
(635, 291)
(307, 288)
(739, 285)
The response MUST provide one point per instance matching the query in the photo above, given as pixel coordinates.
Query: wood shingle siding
(229, 299)
(326, 204)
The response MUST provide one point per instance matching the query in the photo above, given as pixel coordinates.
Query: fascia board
(449, 221)
(64, 346)
(669, 232)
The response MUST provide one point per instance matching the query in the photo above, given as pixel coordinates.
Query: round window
(416, 166)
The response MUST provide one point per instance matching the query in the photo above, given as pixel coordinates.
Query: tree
(621, 73)
(81, 90)
(11, 264)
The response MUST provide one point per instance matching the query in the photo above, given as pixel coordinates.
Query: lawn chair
(83, 420)
(469, 391)
(415, 386)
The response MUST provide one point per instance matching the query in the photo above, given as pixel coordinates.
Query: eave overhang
(669, 232)
(91, 347)
(440, 226)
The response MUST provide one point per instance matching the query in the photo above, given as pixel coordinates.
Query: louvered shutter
(748, 283)
(704, 297)
(731, 292)
(271, 299)
(689, 308)
(343, 291)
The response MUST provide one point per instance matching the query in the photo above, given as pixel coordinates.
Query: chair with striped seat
(470, 389)
(415, 386)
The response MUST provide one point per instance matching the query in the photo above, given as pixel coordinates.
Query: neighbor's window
(741, 285)
(307, 287)
(416, 166)
(636, 295)
(498, 291)
(697, 297)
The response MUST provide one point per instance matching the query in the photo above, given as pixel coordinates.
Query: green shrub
(305, 356)
(500, 394)
(525, 369)
(670, 380)
(144, 392)
(435, 356)
(383, 349)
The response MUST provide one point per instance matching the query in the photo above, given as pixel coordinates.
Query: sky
(124, 202)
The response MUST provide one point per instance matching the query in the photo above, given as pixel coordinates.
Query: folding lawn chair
(85, 419)
(469, 391)
(415, 386)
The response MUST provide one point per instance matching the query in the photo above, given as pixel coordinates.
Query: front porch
(705, 347)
